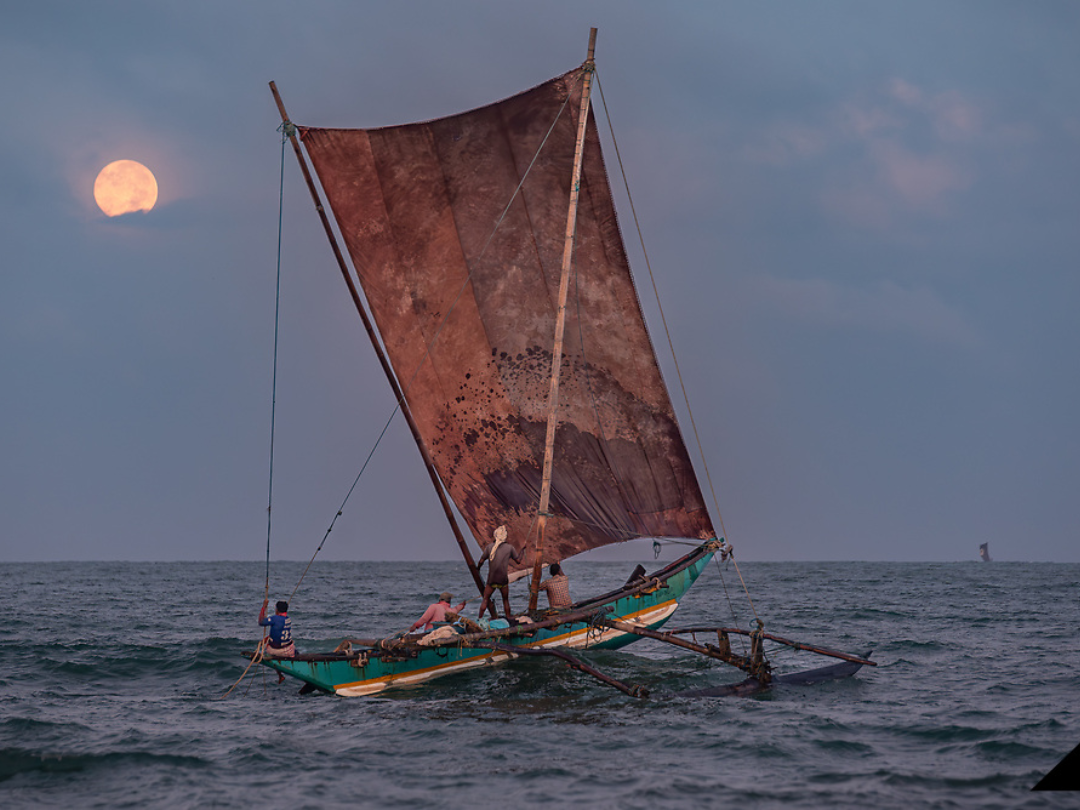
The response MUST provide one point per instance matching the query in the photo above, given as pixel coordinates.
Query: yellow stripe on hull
(582, 638)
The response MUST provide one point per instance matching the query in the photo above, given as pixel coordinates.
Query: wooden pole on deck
(560, 324)
(290, 131)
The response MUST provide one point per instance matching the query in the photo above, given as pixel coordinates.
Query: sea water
(114, 675)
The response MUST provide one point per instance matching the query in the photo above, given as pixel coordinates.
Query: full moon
(125, 186)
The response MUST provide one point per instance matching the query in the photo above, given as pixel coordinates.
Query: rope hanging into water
(258, 656)
(667, 334)
(431, 343)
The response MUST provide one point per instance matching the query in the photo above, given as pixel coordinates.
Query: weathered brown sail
(467, 314)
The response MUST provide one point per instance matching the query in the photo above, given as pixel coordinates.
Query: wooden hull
(650, 607)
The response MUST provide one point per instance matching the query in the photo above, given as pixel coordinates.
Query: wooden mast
(290, 131)
(560, 323)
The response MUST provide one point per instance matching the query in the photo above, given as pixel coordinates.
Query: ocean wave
(15, 761)
(119, 704)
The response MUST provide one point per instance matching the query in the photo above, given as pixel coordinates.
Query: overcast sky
(864, 219)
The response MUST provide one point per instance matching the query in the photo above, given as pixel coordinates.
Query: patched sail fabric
(467, 313)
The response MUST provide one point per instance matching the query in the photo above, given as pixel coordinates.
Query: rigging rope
(667, 333)
(727, 596)
(347, 496)
(258, 655)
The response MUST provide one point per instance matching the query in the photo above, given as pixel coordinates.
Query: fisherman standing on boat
(498, 554)
(437, 612)
(557, 587)
(280, 643)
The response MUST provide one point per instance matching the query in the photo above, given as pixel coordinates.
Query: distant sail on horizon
(984, 552)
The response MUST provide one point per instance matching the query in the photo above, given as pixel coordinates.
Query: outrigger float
(467, 235)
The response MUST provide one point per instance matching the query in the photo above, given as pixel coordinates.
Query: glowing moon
(125, 186)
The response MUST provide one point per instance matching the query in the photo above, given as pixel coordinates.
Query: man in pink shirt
(437, 612)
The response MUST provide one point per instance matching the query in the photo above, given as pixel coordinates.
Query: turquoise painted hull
(369, 674)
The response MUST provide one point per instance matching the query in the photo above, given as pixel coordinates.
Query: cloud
(952, 116)
(896, 153)
(904, 156)
(786, 143)
(863, 122)
(890, 182)
(886, 307)
(905, 93)
(955, 117)
(919, 180)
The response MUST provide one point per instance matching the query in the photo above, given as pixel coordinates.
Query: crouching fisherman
(280, 643)
(436, 613)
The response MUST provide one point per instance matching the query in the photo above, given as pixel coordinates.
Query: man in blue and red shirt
(280, 643)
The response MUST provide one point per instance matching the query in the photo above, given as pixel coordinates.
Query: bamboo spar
(560, 324)
(358, 303)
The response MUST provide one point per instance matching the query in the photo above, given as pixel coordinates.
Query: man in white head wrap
(498, 555)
